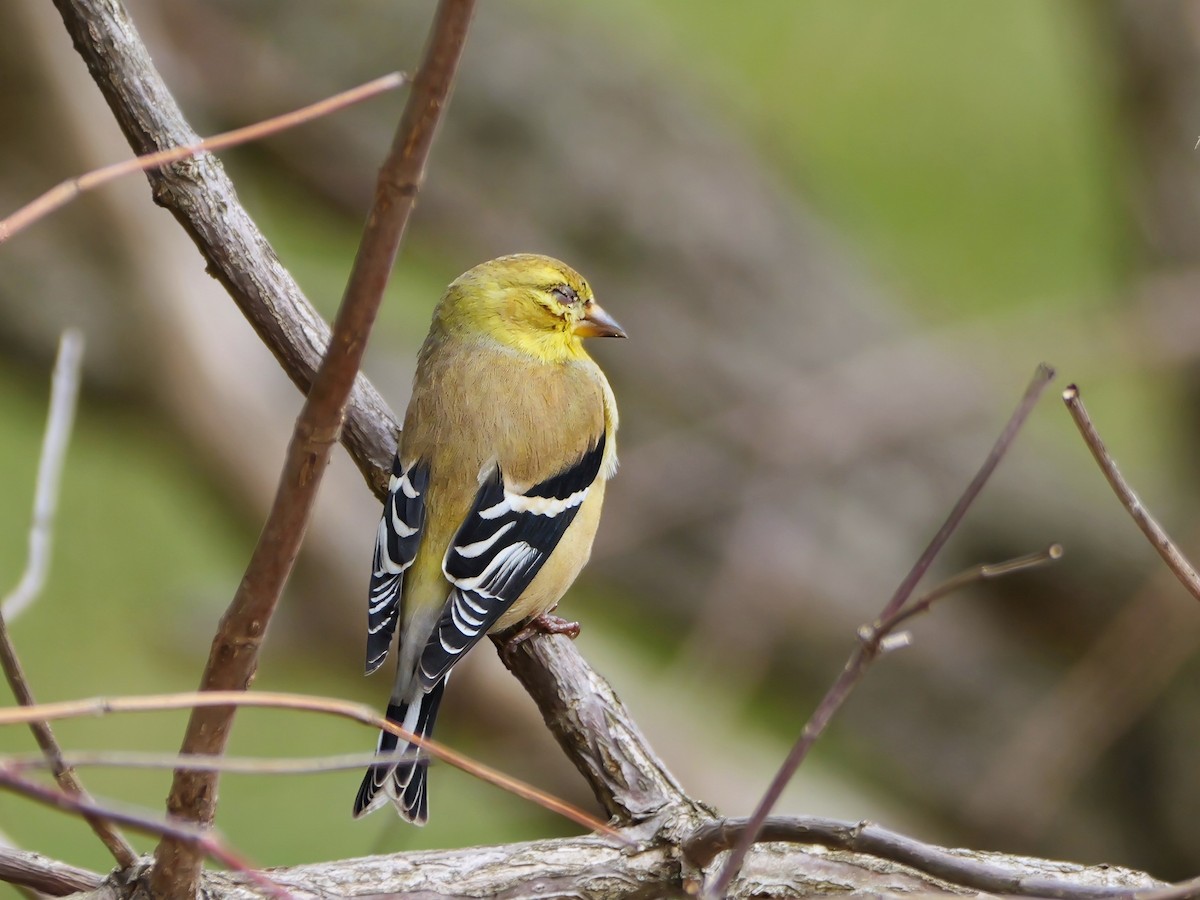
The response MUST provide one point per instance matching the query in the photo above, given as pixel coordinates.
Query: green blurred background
(841, 235)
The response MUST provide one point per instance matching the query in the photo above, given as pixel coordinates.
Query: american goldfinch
(495, 491)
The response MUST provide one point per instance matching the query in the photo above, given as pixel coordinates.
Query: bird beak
(598, 323)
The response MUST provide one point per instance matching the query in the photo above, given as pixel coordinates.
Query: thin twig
(863, 654)
(954, 866)
(1041, 378)
(1159, 539)
(64, 392)
(62, 194)
(204, 840)
(986, 572)
(235, 650)
(74, 709)
(231, 765)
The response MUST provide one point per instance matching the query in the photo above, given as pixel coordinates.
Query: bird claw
(546, 623)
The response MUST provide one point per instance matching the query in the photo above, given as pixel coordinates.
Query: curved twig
(1179, 564)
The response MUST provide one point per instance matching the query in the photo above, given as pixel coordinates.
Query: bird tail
(404, 782)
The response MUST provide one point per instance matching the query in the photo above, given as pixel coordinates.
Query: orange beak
(598, 323)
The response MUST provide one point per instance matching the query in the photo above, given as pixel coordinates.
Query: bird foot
(546, 623)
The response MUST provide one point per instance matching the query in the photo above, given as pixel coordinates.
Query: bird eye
(565, 294)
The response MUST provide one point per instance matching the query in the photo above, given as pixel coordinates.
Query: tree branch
(233, 659)
(49, 876)
(595, 731)
(994, 873)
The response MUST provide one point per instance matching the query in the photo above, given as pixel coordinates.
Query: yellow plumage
(507, 442)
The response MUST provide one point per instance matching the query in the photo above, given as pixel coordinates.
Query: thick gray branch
(598, 870)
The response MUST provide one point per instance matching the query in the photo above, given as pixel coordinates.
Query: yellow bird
(496, 488)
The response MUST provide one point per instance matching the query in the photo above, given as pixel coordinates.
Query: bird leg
(546, 623)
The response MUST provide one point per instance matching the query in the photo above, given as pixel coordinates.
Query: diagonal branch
(595, 731)
(205, 842)
(869, 648)
(64, 192)
(357, 712)
(202, 198)
(64, 390)
(233, 658)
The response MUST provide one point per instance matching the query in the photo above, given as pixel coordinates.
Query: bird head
(530, 303)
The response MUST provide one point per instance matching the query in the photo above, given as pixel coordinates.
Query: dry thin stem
(63, 395)
(234, 655)
(862, 656)
(63, 193)
(73, 709)
(238, 765)
(205, 842)
(955, 867)
(1159, 539)
(64, 391)
(986, 572)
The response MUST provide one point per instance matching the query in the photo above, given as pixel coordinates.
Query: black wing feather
(395, 548)
(500, 547)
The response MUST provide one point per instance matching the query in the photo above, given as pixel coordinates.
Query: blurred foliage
(972, 149)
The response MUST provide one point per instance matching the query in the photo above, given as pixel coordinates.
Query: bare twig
(45, 875)
(202, 839)
(867, 650)
(237, 765)
(63, 394)
(73, 709)
(986, 572)
(1159, 539)
(957, 867)
(1041, 378)
(64, 390)
(234, 655)
(62, 194)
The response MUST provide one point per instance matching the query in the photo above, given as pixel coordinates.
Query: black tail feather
(404, 783)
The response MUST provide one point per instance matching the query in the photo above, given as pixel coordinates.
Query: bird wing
(395, 548)
(500, 547)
